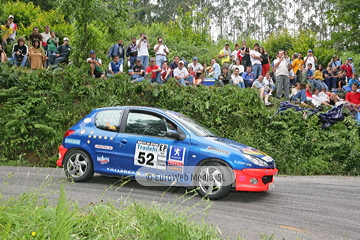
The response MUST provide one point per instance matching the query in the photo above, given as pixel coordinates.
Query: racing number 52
(148, 159)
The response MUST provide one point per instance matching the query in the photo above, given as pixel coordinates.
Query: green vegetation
(38, 107)
(33, 215)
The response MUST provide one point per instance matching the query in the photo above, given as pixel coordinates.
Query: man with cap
(225, 55)
(154, 71)
(6, 31)
(256, 59)
(13, 25)
(197, 67)
(137, 72)
(62, 54)
(182, 75)
(335, 62)
(310, 59)
(352, 65)
(95, 65)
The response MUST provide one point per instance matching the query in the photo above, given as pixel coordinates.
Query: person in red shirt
(353, 97)
(348, 69)
(155, 72)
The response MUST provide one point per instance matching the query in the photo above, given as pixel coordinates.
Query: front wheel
(78, 166)
(212, 184)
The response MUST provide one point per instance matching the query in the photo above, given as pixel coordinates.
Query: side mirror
(173, 134)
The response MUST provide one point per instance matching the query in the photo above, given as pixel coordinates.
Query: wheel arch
(74, 149)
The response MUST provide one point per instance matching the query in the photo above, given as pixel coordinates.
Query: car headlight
(255, 160)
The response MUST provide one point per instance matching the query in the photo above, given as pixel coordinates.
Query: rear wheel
(211, 180)
(78, 166)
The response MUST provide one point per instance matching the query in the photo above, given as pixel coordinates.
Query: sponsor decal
(218, 150)
(87, 120)
(103, 147)
(120, 171)
(267, 159)
(253, 152)
(152, 155)
(83, 131)
(103, 160)
(112, 128)
(176, 158)
(72, 141)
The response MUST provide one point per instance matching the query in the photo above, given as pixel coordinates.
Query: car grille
(267, 179)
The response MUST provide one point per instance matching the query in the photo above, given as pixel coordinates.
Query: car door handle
(123, 141)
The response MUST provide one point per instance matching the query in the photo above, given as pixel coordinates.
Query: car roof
(132, 107)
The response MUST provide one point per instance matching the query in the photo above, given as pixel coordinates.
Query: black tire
(214, 188)
(78, 166)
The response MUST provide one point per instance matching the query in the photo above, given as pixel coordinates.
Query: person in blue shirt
(310, 77)
(214, 70)
(352, 80)
(248, 77)
(115, 66)
(117, 49)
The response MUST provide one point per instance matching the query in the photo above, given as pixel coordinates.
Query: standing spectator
(174, 64)
(117, 50)
(154, 71)
(245, 55)
(310, 59)
(265, 63)
(19, 53)
(132, 52)
(335, 62)
(115, 66)
(236, 79)
(263, 89)
(237, 65)
(197, 67)
(37, 56)
(225, 77)
(248, 77)
(234, 54)
(319, 78)
(34, 35)
(137, 73)
(3, 56)
(347, 68)
(256, 58)
(46, 34)
(282, 75)
(297, 64)
(62, 53)
(165, 72)
(182, 75)
(95, 65)
(6, 31)
(161, 51)
(13, 25)
(143, 49)
(329, 79)
(352, 65)
(225, 55)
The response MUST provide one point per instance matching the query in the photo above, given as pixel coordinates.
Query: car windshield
(195, 127)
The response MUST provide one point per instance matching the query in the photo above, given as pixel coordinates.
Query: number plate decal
(151, 155)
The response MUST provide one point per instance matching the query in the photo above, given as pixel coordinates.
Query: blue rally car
(121, 141)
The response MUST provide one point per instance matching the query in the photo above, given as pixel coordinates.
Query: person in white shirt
(310, 59)
(143, 49)
(263, 89)
(236, 79)
(197, 67)
(282, 75)
(46, 34)
(95, 65)
(13, 25)
(256, 59)
(161, 51)
(234, 54)
(182, 75)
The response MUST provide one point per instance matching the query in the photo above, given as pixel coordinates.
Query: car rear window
(108, 120)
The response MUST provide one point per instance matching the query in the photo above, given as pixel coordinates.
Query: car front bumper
(62, 152)
(254, 180)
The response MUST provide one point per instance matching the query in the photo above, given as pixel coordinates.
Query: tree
(345, 18)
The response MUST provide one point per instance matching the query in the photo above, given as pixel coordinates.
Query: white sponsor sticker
(152, 155)
(87, 120)
(103, 147)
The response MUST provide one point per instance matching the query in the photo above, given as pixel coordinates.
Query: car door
(143, 143)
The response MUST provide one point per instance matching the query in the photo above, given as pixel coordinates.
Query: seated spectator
(6, 31)
(342, 79)
(346, 67)
(320, 98)
(298, 94)
(352, 80)
(335, 74)
(333, 97)
(114, 66)
(303, 75)
(350, 60)
(319, 77)
(214, 70)
(310, 77)
(353, 97)
(34, 35)
(137, 73)
(52, 43)
(19, 53)
(237, 65)
(197, 67)
(268, 81)
(330, 81)
(292, 76)
(3, 55)
(37, 55)
(263, 89)
(225, 77)
(95, 65)
(182, 75)
(165, 72)
(335, 62)
(236, 79)
(248, 77)
(62, 55)
(174, 64)
(154, 71)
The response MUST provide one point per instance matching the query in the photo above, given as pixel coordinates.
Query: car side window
(146, 124)
(108, 120)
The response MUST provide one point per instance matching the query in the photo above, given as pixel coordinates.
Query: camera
(145, 37)
(1, 50)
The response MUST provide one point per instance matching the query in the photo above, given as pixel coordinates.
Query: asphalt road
(321, 207)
